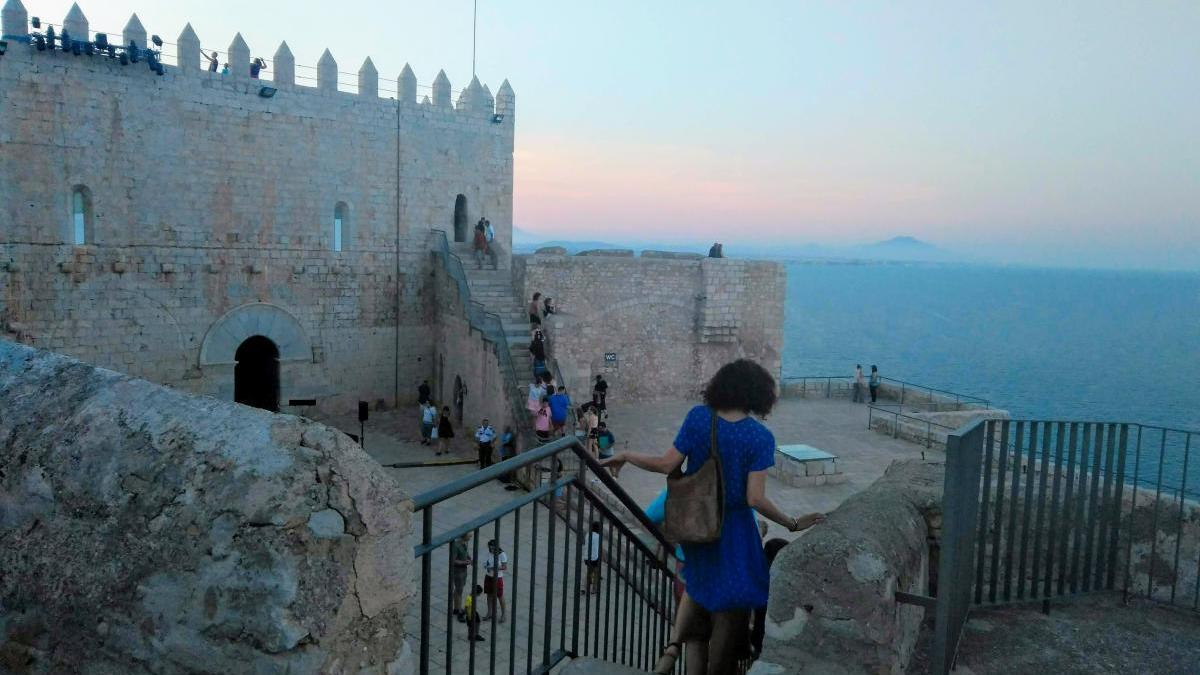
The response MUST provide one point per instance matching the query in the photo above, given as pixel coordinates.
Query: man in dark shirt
(423, 392)
(600, 394)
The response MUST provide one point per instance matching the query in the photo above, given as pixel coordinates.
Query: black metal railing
(1063, 508)
(623, 614)
(903, 392)
(934, 432)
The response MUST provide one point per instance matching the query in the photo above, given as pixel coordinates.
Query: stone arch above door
(256, 318)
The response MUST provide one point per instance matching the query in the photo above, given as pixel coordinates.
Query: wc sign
(610, 360)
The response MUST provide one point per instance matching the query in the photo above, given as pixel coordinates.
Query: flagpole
(474, 22)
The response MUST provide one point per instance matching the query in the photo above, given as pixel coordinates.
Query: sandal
(666, 662)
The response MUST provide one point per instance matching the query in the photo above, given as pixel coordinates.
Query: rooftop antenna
(474, 22)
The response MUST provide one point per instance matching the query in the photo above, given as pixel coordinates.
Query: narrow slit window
(339, 225)
(81, 215)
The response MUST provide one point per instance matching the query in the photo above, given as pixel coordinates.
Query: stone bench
(803, 465)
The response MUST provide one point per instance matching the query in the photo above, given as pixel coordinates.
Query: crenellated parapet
(192, 58)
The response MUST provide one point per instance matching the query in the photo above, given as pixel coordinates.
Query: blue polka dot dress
(731, 573)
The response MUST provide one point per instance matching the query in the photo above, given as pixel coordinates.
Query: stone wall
(205, 199)
(671, 321)
(833, 607)
(144, 529)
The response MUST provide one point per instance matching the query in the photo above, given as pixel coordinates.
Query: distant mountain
(527, 242)
(903, 244)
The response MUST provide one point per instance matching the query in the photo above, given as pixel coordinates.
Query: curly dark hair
(741, 385)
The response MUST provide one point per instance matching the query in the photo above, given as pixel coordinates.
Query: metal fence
(904, 392)
(1064, 508)
(960, 503)
(623, 615)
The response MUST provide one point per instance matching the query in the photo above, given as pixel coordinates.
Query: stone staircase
(494, 290)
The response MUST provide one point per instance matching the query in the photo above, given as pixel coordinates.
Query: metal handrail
(959, 398)
(648, 578)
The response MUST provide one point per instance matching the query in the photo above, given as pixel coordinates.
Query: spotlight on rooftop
(37, 23)
(3, 47)
(267, 92)
(497, 118)
(102, 41)
(156, 40)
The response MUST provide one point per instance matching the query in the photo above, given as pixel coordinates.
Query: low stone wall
(833, 607)
(929, 429)
(144, 529)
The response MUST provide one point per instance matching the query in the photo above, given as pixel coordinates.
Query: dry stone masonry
(142, 527)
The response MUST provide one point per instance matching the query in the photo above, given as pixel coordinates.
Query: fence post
(426, 574)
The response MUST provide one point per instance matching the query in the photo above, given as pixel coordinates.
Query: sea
(1047, 344)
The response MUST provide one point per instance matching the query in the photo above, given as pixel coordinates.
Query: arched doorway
(461, 226)
(460, 397)
(256, 374)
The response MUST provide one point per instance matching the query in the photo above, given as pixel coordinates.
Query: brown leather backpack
(695, 506)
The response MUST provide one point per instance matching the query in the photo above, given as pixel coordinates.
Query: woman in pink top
(541, 421)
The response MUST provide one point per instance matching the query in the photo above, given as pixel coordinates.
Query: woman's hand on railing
(801, 523)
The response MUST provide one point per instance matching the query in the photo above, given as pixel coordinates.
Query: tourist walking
(537, 349)
(535, 309)
(485, 436)
(560, 405)
(494, 567)
(471, 612)
(460, 562)
(479, 244)
(589, 424)
(428, 420)
(593, 559)
(857, 393)
(873, 383)
(600, 395)
(605, 441)
(537, 391)
(541, 420)
(726, 579)
(423, 392)
(445, 431)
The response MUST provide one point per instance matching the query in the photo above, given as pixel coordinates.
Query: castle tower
(239, 57)
(188, 44)
(406, 85)
(441, 90)
(76, 24)
(506, 100)
(327, 73)
(14, 19)
(134, 32)
(285, 65)
(368, 79)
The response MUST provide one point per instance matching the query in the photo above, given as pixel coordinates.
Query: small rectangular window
(337, 233)
(79, 218)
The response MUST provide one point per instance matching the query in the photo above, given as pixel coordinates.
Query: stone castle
(279, 244)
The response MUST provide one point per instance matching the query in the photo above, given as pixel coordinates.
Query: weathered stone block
(144, 525)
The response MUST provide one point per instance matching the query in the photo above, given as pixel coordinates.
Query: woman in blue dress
(728, 578)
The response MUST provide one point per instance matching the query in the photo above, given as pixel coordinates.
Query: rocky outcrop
(833, 607)
(146, 530)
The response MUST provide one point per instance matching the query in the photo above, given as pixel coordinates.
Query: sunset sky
(1062, 132)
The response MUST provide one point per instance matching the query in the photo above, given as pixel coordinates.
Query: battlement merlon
(476, 100)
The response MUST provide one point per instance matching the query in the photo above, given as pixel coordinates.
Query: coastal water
(1041, 343)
